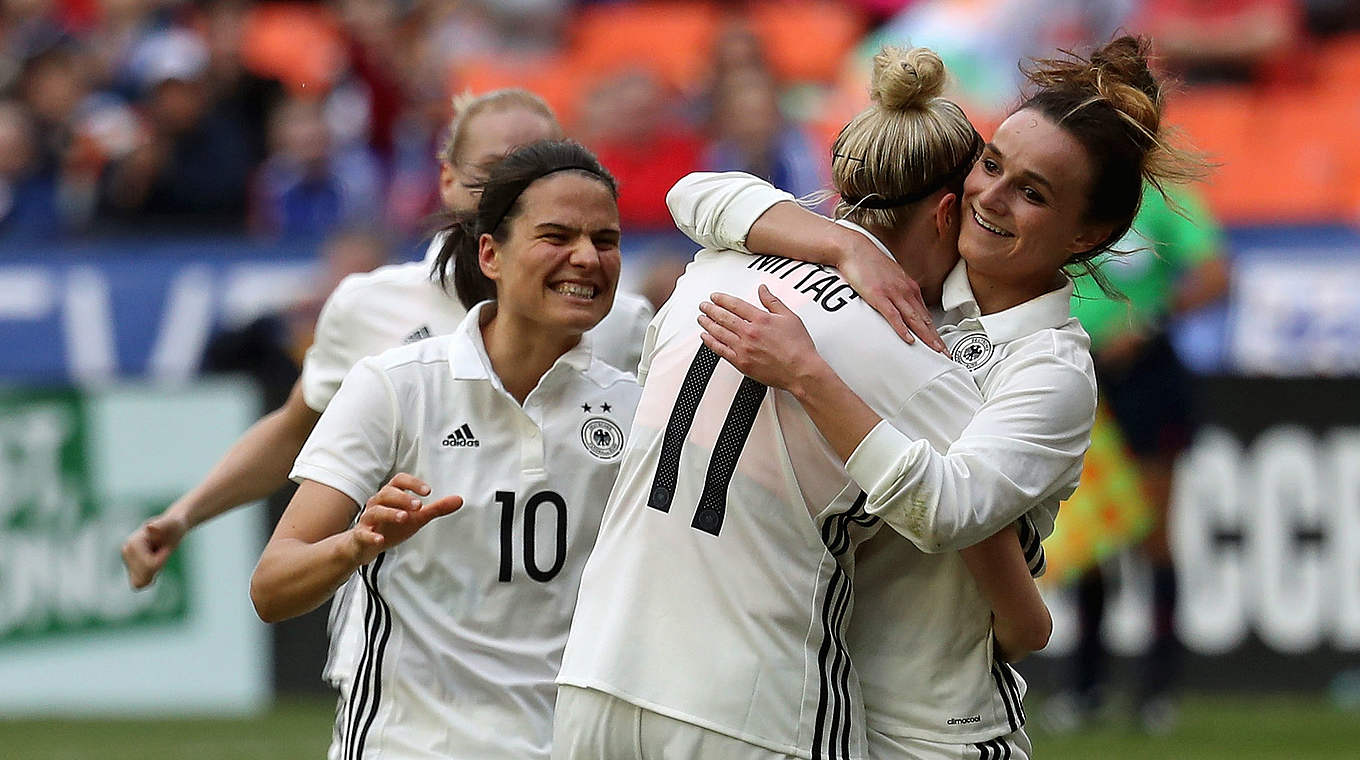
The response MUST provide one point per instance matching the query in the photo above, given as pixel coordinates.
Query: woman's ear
(448, 184)
(488, 256)
(1090, 236)
(947, 215)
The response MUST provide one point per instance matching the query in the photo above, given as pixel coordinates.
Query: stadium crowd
(296, 119)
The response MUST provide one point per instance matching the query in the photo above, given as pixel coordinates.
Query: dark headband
(876, 201)
(552, 169)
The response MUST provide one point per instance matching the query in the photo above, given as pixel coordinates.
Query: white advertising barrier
(1266, 539)
(78, 471)
(1296, 314)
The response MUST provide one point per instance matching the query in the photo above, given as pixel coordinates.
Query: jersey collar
(1050, 310)
(469, 361)
(878, 243)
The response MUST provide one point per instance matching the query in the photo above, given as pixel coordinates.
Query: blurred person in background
(270, 349)
(28, 189)
(192, 167)
(1173, 263)
(238, 94)
(628, 121)
(308, 185)
(1212, 41)
(747, 132)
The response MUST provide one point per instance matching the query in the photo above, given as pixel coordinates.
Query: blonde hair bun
(906, 79)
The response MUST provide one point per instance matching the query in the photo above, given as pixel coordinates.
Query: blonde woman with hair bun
(1057, 185)
(714, 612)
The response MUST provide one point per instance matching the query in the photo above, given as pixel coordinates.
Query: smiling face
(487, 137)
(1024, 203)
(559, 265)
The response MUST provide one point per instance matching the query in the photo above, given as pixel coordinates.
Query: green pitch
(1212, 728)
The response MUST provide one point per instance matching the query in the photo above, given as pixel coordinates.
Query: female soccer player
(513, 422)
(712, 613)
(368, 314)
(1059, 183)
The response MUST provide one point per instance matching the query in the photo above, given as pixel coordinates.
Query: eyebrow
(1030, 174)
(559, 227)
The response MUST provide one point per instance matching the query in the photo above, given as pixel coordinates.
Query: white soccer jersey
(372, 312)
(464, 623)
(1034, 367)
(720, 586)
(921, 632)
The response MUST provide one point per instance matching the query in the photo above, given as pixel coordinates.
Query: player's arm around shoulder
(718, 209)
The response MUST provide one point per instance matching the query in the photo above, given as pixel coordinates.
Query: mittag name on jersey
(825, 286)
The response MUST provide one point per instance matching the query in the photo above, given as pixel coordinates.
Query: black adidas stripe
(1009, 675)
(984, 751)
(1011, 717)
(834, 685)
(368, 681)
(358, 690)
(833, 692)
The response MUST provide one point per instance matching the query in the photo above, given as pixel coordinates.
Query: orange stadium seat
(301, 45)
(807, 40)
(1217, 122)
(672, 39)
(556, 78)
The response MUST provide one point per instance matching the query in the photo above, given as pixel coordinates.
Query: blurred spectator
(309, 186)
(238, 94)
(1204, 41)
(1328, 17)
(53, 84)
(28, 188)
(626, 121)
(750, 134)
(191, 168)
(270, 348)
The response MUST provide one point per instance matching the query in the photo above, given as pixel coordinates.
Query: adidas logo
(420, 334)
(462, 437)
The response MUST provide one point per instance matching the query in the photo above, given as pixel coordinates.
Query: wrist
(810, 379)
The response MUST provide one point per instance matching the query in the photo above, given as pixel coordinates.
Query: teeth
(574, 289)
(990, 227)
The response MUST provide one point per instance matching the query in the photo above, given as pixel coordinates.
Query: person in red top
(626, 122)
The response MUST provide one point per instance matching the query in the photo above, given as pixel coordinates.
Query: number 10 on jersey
(531, 511)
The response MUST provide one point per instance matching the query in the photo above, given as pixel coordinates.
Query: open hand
(883, 285)
(394, 514)
(771, 347)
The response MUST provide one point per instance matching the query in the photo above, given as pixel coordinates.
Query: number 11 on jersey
(722, 466)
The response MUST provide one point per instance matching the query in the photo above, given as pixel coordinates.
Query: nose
(584, 254)
(989, 195)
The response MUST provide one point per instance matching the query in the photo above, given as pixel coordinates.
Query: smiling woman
(512, 423)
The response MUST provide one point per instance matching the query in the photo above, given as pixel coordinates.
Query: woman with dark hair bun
(510, 430)
(1057, 185)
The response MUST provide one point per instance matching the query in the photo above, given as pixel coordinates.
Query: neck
(522, 352)
(913, 253)
(996, 294)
